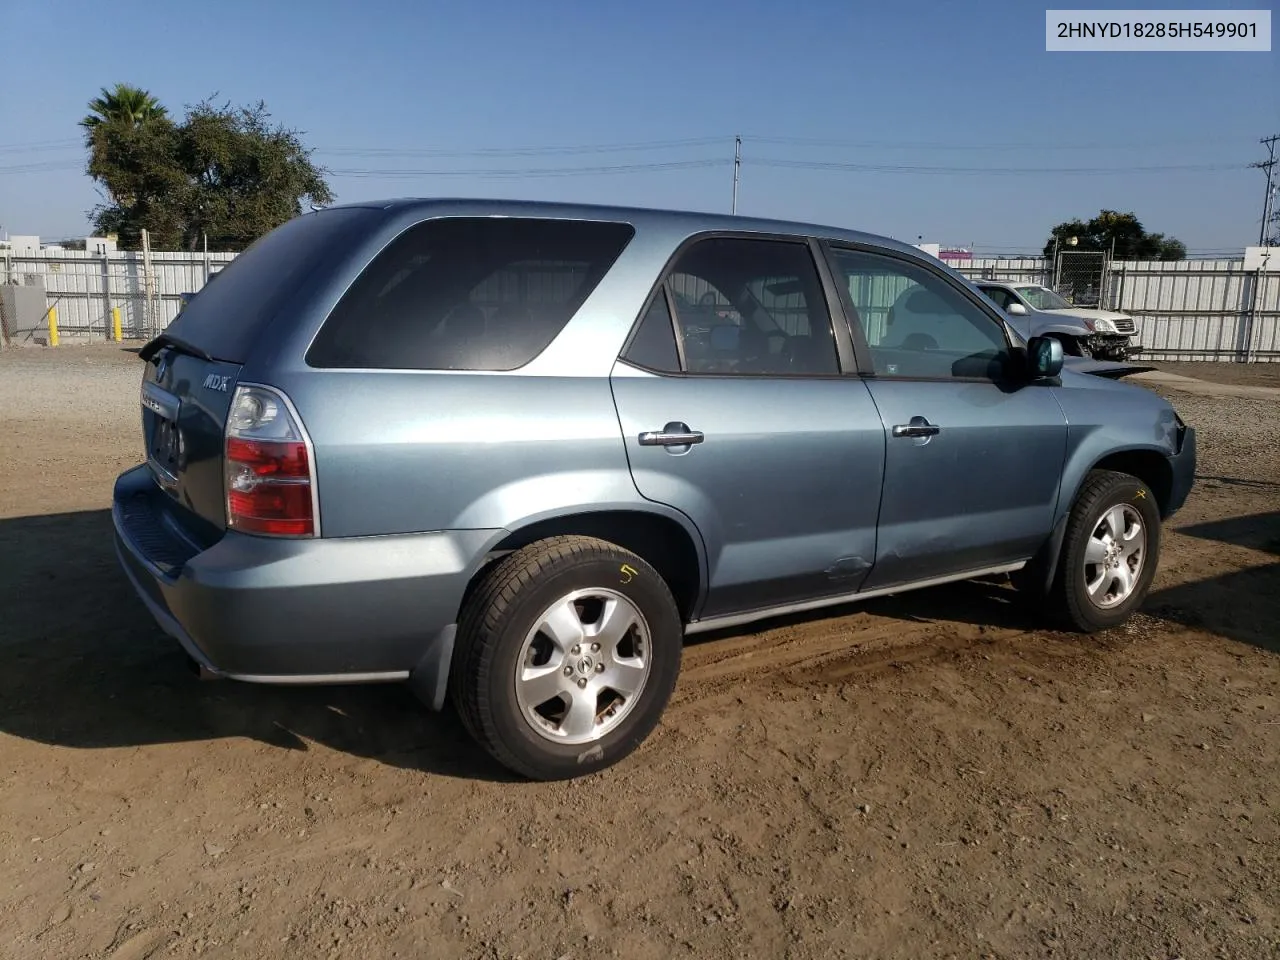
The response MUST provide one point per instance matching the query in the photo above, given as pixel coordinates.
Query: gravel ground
(932, 775)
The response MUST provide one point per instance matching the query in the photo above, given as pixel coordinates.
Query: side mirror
(1044, 357)
(1016, 310)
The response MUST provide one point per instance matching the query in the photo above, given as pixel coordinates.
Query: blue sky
(943, 84)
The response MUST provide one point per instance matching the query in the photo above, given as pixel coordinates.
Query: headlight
(1105, 326)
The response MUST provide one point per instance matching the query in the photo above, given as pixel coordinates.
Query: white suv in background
(1036, 311)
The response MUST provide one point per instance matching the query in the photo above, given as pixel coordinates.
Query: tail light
(268, 468)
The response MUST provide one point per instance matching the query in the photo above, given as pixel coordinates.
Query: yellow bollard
(53, 326)
(115, 324)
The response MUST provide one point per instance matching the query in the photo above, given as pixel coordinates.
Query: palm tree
(127, 105)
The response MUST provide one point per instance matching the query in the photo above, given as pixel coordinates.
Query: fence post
(1251, 323)
(148, 283)
(4, 321)
(108, 310)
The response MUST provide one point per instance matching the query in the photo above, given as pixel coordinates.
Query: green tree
(222, 171)
(125, 105)
(1168, 248)
(1123, 230)
(142, 183)
(247, 176)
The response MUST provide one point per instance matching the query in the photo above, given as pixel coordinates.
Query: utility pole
(1273, 224)
(737, 166)
(1268, 165)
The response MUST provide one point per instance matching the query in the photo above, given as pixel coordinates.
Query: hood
(1111, 369)
(1083, 313)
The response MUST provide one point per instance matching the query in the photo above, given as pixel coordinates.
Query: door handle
(672, 435)
(918, 427)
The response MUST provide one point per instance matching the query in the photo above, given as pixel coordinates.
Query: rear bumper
(295, 611)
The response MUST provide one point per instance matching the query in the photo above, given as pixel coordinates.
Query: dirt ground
(926, 776)
(1236, 374)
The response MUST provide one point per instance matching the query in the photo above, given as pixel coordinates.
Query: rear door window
(742, 306)
(468, 293)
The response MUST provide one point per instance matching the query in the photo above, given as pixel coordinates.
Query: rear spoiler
(1112, 369)
(167, 339)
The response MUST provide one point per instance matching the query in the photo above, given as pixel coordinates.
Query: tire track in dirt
(863, 640)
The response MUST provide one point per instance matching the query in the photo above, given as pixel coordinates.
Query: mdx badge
(215, 382)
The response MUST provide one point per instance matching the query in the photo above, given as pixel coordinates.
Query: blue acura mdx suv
(512, 453)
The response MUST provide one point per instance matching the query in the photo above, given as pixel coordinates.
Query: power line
(45, 166)
(427, 152)
(980, 171)
(585, 149)
(35, 145)
(530, 172)
(551, 150)
(678, 144)
(1054, 145)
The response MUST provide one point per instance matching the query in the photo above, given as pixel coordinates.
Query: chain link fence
(1081, 277)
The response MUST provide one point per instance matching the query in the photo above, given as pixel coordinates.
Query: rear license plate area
(162, 435)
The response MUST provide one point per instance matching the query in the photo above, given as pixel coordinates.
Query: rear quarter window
(233, 309)
(468, 293)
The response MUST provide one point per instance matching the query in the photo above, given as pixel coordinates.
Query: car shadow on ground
(1242, 605)
(82, 664)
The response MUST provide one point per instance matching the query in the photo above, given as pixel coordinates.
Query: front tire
(1109, 553)
(567, 654)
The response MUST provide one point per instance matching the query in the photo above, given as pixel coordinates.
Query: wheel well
(660, 541)
(1070, 344)
(1148, 466)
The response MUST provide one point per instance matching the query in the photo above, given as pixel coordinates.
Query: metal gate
(1081, 277)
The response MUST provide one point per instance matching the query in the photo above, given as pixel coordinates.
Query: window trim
(674, 321)
(846, 358)
(627, 344)
(863, 348)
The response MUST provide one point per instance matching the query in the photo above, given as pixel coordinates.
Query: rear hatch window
(228, 315)
(468, 293)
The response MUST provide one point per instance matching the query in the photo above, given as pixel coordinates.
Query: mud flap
(1039, 572)
(429, 680)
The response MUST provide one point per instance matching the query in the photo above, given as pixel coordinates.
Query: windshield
(1042, 298)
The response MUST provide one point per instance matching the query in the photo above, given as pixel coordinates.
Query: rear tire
(567, 653)
(1109, 553)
